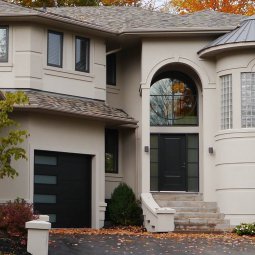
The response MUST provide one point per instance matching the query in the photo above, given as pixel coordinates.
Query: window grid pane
(82, 54)
(55, 44)
(248, 100)
(3, 44)
(226, 102)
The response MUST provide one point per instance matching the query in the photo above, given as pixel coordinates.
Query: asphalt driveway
(129, 243)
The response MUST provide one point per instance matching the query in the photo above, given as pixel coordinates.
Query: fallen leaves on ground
(140, 231)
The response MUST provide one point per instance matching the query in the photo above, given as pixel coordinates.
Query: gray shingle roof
(128, 19)
(123, 19)
(76, 106)
(10, 9)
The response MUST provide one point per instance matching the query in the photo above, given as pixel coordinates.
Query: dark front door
(172, 163)
(62, 188)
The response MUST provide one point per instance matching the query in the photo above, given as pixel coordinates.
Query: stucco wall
(181, 54)
(125, 95)
(234, 152)
(61, 134)
(27, 66)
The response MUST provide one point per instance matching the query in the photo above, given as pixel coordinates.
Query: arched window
(173, 100)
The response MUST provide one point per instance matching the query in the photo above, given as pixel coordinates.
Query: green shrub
(245, 229)
(14, 215)
(124, 209)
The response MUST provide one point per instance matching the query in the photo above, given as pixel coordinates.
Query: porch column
(145, 140)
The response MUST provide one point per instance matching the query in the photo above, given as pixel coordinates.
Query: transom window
(55, 49)
(81, 54)
(3, 44)
(226, 101)
(248, 99)
(173, 101)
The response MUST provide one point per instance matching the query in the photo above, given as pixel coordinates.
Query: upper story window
(173, 101)
(111, 69)
(248, 99)
(3, 44)
(111, 150)
(226, 101)
(82, 54)
(55, 49)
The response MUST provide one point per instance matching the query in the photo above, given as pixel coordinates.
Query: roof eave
(215, 50)
(213, 30)
(44, 17)
(114, 120)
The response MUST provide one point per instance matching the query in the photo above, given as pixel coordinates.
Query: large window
(111, 150)
(226, 102)
(248, 99)
(173, 101)
(111, 69)
(81, 54)
(3, 44)
(55, 49)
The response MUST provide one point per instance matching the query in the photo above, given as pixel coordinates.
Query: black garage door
(62, 188)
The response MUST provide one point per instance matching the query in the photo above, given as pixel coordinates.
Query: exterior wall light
(210, 150)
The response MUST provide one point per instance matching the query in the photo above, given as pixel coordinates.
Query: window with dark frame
(4, 41)
(55, 49)
(111, 69)
(82, 54)
(111, 150)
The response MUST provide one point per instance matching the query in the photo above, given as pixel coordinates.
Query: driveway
(110, 243)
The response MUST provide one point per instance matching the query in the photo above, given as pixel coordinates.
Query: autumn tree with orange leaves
(52, 3)
(245, 7)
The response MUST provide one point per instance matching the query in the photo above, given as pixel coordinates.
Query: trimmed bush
(245, 229)
(14, 215)
(124, 209)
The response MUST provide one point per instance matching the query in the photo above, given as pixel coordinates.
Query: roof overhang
(74, 24)
(71, 106)
(215, 50)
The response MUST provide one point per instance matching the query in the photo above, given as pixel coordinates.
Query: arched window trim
(176, 103)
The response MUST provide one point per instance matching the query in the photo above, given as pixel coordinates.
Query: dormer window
(55, 49)
(81, 54)
(4, 44)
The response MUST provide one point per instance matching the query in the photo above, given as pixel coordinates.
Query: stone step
(196, 209)
(198, 204)
(202, 225)
(192, 213)
(189, 215)
(203, 228)
(200, 221)
(178, 196)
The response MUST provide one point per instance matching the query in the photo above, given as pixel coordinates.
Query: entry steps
(192, 213)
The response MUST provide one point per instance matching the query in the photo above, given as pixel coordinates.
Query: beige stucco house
(164, 103)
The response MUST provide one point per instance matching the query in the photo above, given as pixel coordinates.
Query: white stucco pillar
(145, 141)
(209, 122)
(38, 236)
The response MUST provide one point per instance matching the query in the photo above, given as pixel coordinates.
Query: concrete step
(177, 196)
(200, 221)
(202, 225)
(203, 228)
(196, 209)
(198, 204)
(190, 215)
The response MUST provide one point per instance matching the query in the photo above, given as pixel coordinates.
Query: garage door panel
(63, 190)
